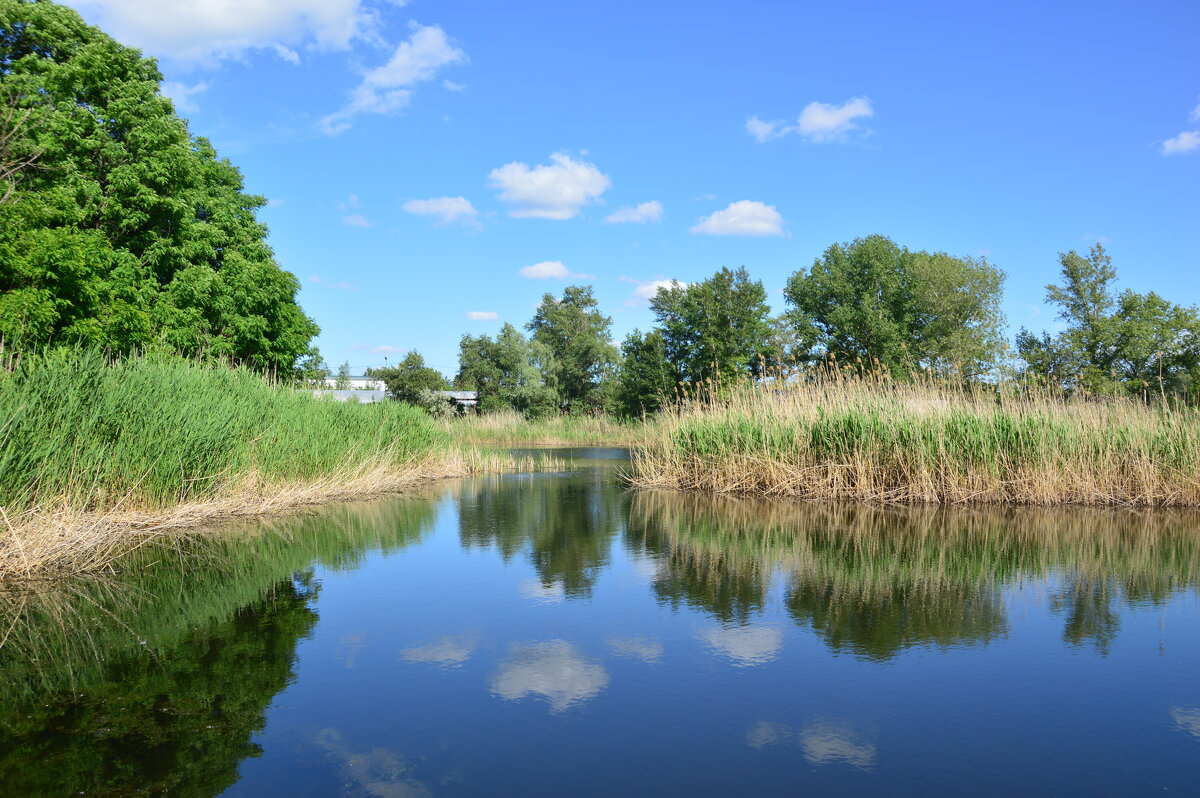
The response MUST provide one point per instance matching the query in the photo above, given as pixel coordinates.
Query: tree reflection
(873, 581)
(564, 526)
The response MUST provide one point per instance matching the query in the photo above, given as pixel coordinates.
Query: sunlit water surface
(554, 634)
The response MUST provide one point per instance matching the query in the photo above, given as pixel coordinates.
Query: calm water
(556, 635)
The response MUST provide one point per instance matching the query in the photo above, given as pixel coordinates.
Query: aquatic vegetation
(872, 439)
(510, 427)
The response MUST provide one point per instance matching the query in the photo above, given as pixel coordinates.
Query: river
(554, 634)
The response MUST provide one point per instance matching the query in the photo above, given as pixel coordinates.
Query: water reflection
(823, 742)
(745, 646)
(564, 526)
(450, 651)
(873, 581)
(375, 772)
(1187, 719)
(644, 648)
(553, 670)
(155, 682)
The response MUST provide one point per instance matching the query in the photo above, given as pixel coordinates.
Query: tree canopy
(871, 299)
(714, 330)
(410, 378)
(578, 338)
(507, 372)
(131, 234)
(1127, 342)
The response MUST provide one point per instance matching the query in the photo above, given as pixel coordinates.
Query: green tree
(1139, 344)
(871, 299)
(578, 338)
(508, 372)
(410, 379)
(645, 380)
(131, 234)
(715, 330)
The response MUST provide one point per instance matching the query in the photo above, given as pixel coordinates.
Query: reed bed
(507, 427)
(98, 456)
(875, 440)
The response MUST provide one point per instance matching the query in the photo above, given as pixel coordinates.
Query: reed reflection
(874, 581)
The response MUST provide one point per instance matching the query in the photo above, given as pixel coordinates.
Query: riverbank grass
(877, 441)
(97, 455)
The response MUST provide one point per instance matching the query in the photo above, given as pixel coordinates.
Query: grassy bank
(96, 456)
(876, 441)
(509, 428)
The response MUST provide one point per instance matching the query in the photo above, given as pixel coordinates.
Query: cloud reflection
(824, 742)
(745, 645)
(554, 670)
(646, 649)
(547, 594)
(376, 772)
(449, 651)
(1187, 719)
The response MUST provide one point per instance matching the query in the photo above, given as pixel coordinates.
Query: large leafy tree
(1114, 342)
(131, 233)
(714, 330)
(578, 337)
(872, 299)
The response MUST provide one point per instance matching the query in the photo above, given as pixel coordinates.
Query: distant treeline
(868, 306)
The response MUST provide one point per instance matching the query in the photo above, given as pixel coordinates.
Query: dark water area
(555, 634)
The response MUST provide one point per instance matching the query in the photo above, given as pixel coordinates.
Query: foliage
(646, 381)
(410, 378)
(870, 299)
(1139, 344)
(91, 433)
(508, 372)
(342, 381)
(132, 235)
(578, 338)
(716, 330)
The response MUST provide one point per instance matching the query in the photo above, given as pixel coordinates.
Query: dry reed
(871, 439)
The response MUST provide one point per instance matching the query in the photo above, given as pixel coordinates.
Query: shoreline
(61, 542)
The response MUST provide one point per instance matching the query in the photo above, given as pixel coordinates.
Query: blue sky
(435, 167)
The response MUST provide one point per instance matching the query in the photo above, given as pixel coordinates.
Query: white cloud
(818, 122)
(765, 131)
(742, 218)
(384, 349)
(450, 85)
(745, 645)
(557, 191)
(341, 285)
(351, 201)
(388, 88)
(646, 212)
(824, 742)
(181, 95)
(552, 593)
(645, 291)
(215, 30)
(1187, 141)
(445, 210)
(356, 220)
(824, 122)
(1195, 114)
(551, 270)
(554, 670)
(482, 315)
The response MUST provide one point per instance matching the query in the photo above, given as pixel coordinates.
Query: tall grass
(926, 442)
(91, 446)
(509, 427)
